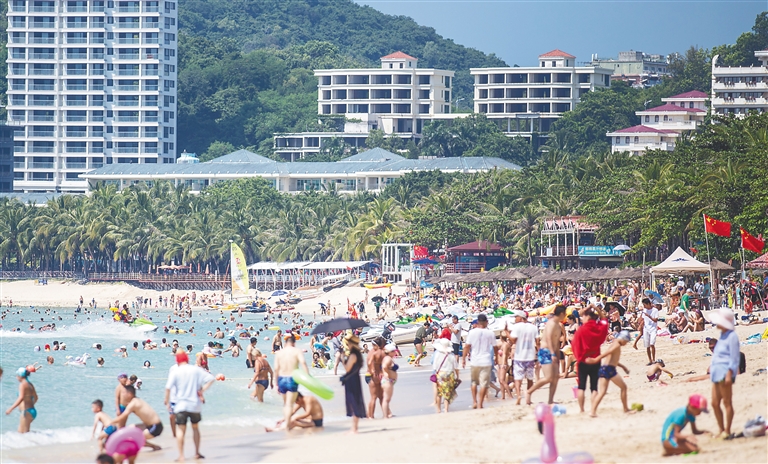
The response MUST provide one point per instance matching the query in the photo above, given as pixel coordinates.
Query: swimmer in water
(27, 397)
(147, 365)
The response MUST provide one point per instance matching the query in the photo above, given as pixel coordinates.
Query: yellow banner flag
(239, 271)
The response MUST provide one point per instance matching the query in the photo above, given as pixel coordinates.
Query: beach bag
(433, 377)
(755, 427)
(672, 327)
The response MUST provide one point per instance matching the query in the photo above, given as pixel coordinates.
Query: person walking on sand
(586, 344)
(287, 360)
(446, 369)
(724, 369)
(481, 346)
(418, 343)
(549, 350)
(389, 378)
(524, 338)
(607, 372)
(189, 383)
(353, 389)
(28, 398)
(373, 377)
(650, 327)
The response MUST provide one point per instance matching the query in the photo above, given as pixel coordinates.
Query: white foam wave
(86, 329)
(15, 440)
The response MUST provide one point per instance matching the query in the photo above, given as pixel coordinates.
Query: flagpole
(709, 260)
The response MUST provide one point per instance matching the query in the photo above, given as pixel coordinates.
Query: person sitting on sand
(149, 418)
(311, 417)
(655, 370)
(672, 440)
(607, 372)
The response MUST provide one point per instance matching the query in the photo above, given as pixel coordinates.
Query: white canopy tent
(680, 261)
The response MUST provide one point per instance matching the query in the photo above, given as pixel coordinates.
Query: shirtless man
(608, 373)
(504, 357)
(234, 347)
(263, 376)
(373, 362)
(249, 353)
(549, 351)
(27, 397)
(287, 360)
(121, 397)
(311, 417)
(277, 341)
(149, 418)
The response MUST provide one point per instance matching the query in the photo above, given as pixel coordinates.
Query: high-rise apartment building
(93, 83)
(740, 89)
(6, 158)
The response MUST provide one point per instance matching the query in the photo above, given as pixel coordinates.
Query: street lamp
(456, 102)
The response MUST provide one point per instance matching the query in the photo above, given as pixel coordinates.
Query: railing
(25, 275)
(152, 40)
(562, 251)
(149, 87)
(463, 268)
(76, 165)
(38, 118)
(38, 87)
(76, 87)
(128, 72)
(128, 9)
(42, 9)
(128, 56)
(19, 165)
(127, 88)
(127, 135)
(77, 9)
(77, 40)
(76, 133)
(75, 149)
(77, 118)
(41, 103)
(41, 134)
(128, 40)
(41, 72)
(77, 56)
(127, 150)
(133, 25)
(127, 119)
(38, 165)
(44, 40)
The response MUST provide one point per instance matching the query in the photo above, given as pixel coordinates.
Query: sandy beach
(503, 432)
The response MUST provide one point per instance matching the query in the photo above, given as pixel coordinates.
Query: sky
(518, 31)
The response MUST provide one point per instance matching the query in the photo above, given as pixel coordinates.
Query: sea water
(66, 392)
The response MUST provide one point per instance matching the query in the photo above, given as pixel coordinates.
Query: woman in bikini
(262, 375)
(389, 378)
(27, 397)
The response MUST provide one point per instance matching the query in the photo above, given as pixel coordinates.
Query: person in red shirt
(586, 344)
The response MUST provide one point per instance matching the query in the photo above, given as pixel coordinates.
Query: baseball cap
(122, 375)
(698, 401)
(181, 357)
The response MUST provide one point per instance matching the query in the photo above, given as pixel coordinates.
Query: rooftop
(556, 53)
(398, 55)
(691, 94)
(641, 129)
(670, 108)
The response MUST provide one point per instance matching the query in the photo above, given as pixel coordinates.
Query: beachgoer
(549, 353)
(189, 383)
(234, 347)
(121, 398)
(524, 338)
(607, 372)
(656, 369)
(311, 417)
(249, 353)
(504, 358)
(673, 441)
(586, 344)
(455, 336)
(277, 342)
(263, 377)
(481, 346)
(389, 378)
(27, 397)
(373, 376)
(100, 417)
(446, 369)
(338, 351)
(353, 389)
(219, 333)
(287, 360)
(418, 343)
(150, 420)
(724, 369)
(650, 328)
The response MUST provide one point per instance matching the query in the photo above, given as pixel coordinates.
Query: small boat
(372, 285)
(143, 325)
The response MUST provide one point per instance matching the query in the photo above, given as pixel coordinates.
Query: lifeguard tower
(396, 261)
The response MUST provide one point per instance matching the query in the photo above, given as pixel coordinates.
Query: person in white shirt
(650, 328)
(189, 383)
(481, 345)
(525, 340)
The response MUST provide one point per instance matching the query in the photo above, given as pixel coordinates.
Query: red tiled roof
(642, 129)
(670, 108)
(691, 94)
(398, 55)
(556, 53)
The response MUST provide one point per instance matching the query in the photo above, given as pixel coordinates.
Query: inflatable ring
(274, 327)
(312, 384)
(126, 441)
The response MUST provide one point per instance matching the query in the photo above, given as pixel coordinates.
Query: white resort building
(525, 101)
(370, 170)
(397, 98)
(93, 83)
(739, 90)
(660, 127)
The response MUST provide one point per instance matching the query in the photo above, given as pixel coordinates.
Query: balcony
(128, 88)
(41, 103)
(20, 87)
(127, 135)
(152, 72)
(151, 9)
(97, 9)
(77, 56)
(42, 72)
(126, 150)
(42, 56)
(39, 165)
(97, 118)
(151, 118)
(77, 72)
(77, 87)
(151, 56)
(76, 119)
(42, 9)
(97, 150)
(77, 9)
(151, 40)
(43, 40)
(97, 134)
(128, 56)
(128, 9)
(75, 149)
(76, 103)
(42, 25)
(97, 55)
(131, 40)
(77, 24)
(150, 87)
(97, 40)
(97, 164)
(132, 25)
(127, 119)
(97, 25)
(75, 165)
(128, 72)
(76, 134)
(561, 251)
(40, 87)
(41, 118)
(127, 103)
(19, 165)
(42, 134)
(97, 87)
(151, 135)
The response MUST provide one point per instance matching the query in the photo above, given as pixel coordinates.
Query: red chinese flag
(750, 242)
(713, 226)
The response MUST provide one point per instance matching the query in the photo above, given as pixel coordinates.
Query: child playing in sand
(671, 439)
(608, 372)
(101, 417)
(655, 370)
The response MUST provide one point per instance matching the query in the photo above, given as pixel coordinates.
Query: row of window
(749, 80)
(92, 53)
(749, 96)
(90, 116)
(739, 110)
(94, 69)
(93, 22)
(90, 100)
(634, 140)
(378, 94)
(93, 131)
(81, 6)
(523, 107)
(518, 92)
(379, 79)
(83, 37)
(120, 85)
(533, 78)
(81, 147)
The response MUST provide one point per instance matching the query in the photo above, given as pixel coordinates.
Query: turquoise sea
(66, 392)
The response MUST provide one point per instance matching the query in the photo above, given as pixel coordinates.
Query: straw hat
(723, 317)
(442, 345)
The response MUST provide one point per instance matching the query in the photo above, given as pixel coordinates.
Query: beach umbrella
(622, 248)
(279, 293)
(614, 304)
(377, 298)
(424, 261)
(339, 324)
(656, 297)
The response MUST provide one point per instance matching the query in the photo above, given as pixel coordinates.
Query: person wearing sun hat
(724, 368)
(353, 389)
(446, 373)
(672, 440)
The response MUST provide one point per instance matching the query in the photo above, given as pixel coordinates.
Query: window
(666, 118)
(647, 118)
(637, 139)
(626, 140)
(424, 80)
(690, 105)
(656, 118)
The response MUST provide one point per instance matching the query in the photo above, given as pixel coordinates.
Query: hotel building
(739, 90)
(93, 83)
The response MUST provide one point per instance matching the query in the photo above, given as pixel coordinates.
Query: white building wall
(94, 82)
(739, 90)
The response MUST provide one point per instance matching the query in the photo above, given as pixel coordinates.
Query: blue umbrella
(424, 261)
(279, 293)
(655, 296)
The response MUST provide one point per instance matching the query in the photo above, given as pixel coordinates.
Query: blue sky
(519, 30)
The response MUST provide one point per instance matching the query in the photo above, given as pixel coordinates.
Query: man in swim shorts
(672, 440)
(607, 372)
(27, 397)
(249, 353)
(549, 349)
(120, 396)
(100, 417)
(286, 361)
(150, 421)
(311, 417)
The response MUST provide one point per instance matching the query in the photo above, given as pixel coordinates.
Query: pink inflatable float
(126, 441)
(549, 453)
